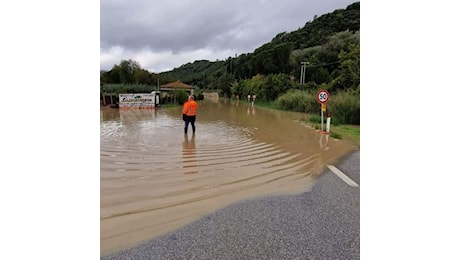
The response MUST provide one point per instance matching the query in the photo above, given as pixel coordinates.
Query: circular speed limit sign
(322, 96)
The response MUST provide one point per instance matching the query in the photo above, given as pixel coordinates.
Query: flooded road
(155, 179)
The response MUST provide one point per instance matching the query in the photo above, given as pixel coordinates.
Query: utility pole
(303, 69)
(301, 73)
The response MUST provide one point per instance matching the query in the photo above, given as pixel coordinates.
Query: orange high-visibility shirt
(190, 108)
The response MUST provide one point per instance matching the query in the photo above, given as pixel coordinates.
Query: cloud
(162, 35)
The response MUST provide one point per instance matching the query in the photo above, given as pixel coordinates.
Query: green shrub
(315, 118)
(335, 135)
(180, 95)
(128, 88)
(299, 101)
(344, 107)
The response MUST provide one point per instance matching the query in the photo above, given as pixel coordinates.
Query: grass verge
(338, 131)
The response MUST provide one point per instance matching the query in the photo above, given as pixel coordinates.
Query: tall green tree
(349, 75)
(142, 76)
(274, 85)
(180, 95)
(127, 71)
(225, 84)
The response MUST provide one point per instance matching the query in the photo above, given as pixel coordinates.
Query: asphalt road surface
(322, 223)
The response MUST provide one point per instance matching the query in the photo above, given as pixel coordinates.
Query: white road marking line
(342, 176)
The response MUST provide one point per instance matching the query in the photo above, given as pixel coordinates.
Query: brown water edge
(155, 180)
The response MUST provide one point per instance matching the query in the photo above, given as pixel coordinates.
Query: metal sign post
(323, 109)
(322, 96)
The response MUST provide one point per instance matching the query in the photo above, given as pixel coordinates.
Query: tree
(350, 71)
(142, 76)
(104, 77)
(225, 83)
(114, 74)
(180, 95)
(127, 70)
(274, 85)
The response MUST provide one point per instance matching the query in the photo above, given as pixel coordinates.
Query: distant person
(249, 98)
(189, 113)
(253, 99)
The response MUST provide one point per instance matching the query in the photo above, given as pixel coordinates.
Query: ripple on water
(155, 179)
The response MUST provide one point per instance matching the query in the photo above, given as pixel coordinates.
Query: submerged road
(322, 223)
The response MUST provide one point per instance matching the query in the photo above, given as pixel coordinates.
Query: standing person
(189, 113)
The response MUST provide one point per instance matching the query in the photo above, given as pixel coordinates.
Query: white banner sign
(138, 100)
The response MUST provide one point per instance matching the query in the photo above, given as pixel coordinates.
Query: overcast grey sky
(163, 35)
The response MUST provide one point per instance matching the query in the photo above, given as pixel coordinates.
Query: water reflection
(188, 154)
(109, 114)
(323, 140)
(154, 179)
(251, 110)
(129, 116)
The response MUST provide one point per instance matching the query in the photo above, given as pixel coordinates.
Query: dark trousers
(191, 120)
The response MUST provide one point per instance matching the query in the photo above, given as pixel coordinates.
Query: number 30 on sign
(322, 96)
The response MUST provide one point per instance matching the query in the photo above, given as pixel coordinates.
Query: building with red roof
(177, 85)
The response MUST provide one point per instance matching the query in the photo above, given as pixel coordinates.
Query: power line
(320, 65)
(303, 68)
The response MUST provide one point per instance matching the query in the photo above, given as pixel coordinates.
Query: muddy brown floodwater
(155, 179)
